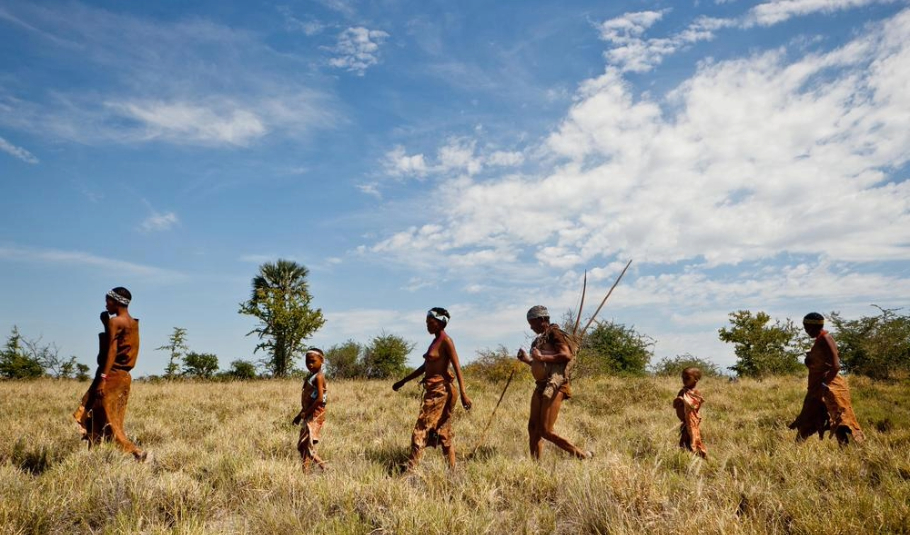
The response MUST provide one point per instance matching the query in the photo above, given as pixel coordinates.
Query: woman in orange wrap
(434, 423)
(827, 405)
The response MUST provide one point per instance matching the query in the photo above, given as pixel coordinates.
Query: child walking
(312, 411)
(687, 404)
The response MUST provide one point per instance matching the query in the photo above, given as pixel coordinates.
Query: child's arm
(413, 375)
(680, 407)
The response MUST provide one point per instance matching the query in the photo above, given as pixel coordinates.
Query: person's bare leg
(449, 453)
(535, 427)
(550, 412)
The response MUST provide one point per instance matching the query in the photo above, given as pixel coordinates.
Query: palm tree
(281, 300)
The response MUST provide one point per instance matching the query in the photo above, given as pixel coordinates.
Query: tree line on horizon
(877, 346)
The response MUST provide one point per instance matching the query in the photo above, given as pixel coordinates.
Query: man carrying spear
(551, 359)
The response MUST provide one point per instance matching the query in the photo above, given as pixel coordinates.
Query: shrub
(344, 361)
(673, 367)
(614, 349)
(243, 370)
(875, 346)
(495, 365)
(386, 356)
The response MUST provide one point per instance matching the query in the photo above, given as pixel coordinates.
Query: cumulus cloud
(457, 156)
(748, 158)
(159, 222)
(632, 52)
(399, 163)
(17, 152)
(358, 49)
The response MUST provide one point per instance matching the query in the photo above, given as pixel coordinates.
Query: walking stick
(483, 434)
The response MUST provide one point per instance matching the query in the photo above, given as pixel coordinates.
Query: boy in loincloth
(312, 411)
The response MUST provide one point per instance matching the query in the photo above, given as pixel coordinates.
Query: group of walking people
(826, 408)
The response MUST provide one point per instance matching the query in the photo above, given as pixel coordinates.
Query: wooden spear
(483, 434)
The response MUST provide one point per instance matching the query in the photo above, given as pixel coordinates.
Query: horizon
(745, 156)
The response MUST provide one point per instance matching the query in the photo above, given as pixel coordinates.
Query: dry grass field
(225, 462)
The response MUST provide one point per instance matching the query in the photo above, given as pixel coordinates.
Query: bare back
(126, 339)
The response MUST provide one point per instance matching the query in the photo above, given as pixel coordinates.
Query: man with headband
(104, 405)
(827, 405)
(551, 359)
(434, 423)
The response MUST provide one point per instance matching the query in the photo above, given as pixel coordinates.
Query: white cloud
(358, 49)
(182, 82)
(745, 160)
(370, 188)
(777, 11)
(631, 52)
(17, 152)
(84, 259)
(399, 163)
(505, 158)
(159, 222)
(180, 120)
(457, 156)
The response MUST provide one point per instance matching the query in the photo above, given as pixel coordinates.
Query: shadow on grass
(393, 459)
(31, 458)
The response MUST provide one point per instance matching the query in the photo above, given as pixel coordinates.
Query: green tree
(82, 372)
(614, 349)
(243, 370)
(177, 348)
(386, 356)
(876, 346)
(344, 361)
(16, 362)
(200, 365)
(281, 302)
(673, 367)
(762, 349)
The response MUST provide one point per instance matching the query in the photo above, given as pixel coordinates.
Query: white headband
(118, 298)
(435, 315)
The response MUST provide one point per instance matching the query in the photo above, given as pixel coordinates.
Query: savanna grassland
(225, 462)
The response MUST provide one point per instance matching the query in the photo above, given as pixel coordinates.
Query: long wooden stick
(581, 306)
(590, 321)
(483, 434)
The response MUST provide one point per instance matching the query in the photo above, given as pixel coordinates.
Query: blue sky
(472, 155)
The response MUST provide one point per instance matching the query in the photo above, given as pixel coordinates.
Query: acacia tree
(762, 349)
(177, 348)
(16, 362)
(281, 302)
(875, 346)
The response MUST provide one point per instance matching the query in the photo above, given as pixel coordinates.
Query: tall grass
(225, 462)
